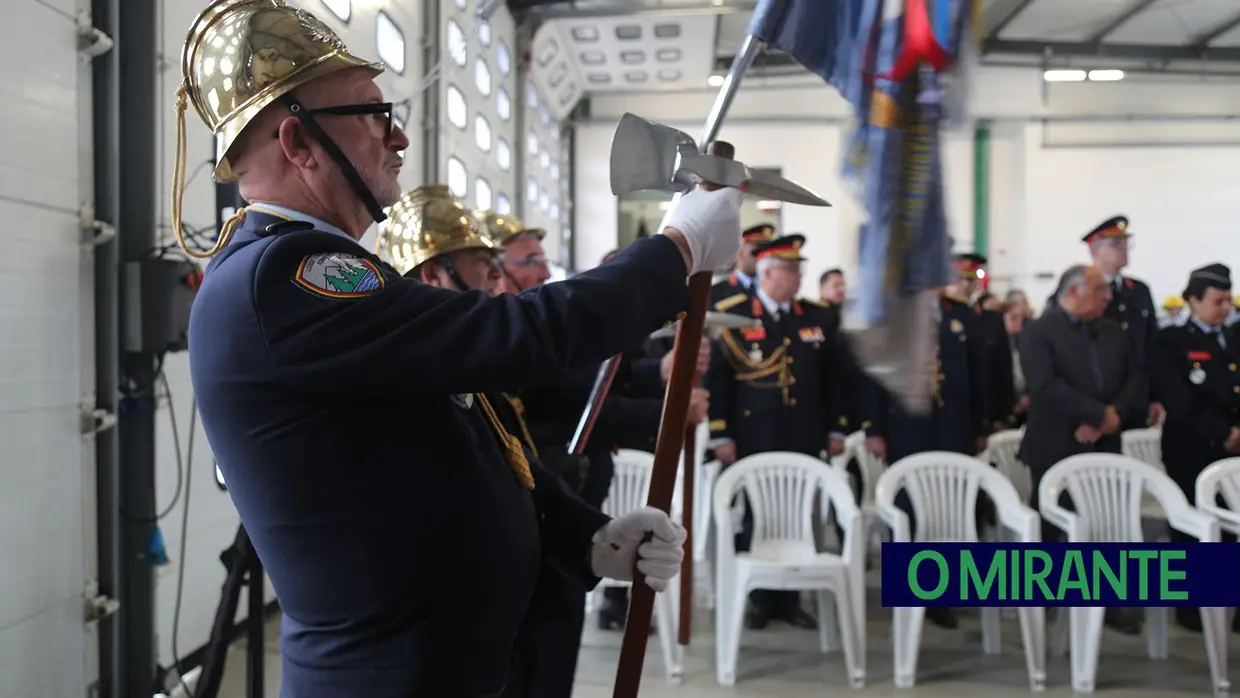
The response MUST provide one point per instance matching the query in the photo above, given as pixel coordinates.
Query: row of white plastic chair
(943, 487)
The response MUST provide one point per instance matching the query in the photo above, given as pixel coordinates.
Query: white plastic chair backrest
(631, 483)
(1106, 491)
(781, 487)
(942, 487)
(1144, 445)
(1002, 448)
(870, 467)
(1221, 479)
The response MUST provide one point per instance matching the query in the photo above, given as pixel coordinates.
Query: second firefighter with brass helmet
(433, 238)
(342, 400)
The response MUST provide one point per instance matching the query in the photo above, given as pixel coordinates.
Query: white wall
(1064, 157)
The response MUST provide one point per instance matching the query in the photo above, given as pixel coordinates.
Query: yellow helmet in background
(428, 222)
(1173, 303)
(504, 227)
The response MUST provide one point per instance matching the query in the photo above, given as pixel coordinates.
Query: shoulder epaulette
(731, 302)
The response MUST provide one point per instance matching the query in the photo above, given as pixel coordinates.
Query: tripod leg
(237, 561)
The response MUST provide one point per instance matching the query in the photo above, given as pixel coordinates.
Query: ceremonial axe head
(650, 156)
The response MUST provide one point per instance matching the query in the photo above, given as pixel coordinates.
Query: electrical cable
(160, 379)
(187, 488)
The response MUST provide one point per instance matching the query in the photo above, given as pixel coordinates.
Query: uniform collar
(771, 306)
(744, 279)
(295, 215)
(1205, 328)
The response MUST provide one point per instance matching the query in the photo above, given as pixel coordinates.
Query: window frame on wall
(380, 18)
(481, 80)
(331, 7)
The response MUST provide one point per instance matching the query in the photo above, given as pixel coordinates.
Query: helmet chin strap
(337, 155)
(515, 284)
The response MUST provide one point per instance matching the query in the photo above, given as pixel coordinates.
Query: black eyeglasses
(370, 108)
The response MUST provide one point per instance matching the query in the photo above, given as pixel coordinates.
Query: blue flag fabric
(893, 162)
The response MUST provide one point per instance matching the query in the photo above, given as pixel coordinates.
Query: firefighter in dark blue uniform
(740, 278)
(775, 388)
(995, 371)
(1195, 366)
(431, 237)
(1132, 304)
(958, 419)
(401, 523)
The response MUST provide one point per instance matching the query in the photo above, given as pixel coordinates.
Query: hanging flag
(886, 57)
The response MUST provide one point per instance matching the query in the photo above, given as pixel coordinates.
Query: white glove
(711, 222)
(618, 548)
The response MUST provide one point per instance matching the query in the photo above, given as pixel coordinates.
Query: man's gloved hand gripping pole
(709, 220)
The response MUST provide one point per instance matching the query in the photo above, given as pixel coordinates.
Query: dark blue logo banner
(1061, 574)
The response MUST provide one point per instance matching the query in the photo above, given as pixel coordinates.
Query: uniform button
(1123, 325)
(1231, 367)
(1196, 364)
(1122, 308)
(1236, 389)
(787, 341)
(745, 413)
(792, 402)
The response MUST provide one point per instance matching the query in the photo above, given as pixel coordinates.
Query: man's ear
(295, 143)
(427, 274)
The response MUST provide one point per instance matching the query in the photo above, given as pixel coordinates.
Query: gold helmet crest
(504, 227)
(428, 222)
(239, 57)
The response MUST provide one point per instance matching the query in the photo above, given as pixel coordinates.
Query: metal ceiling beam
(1007, 19)
(1122, 19)
(1206, 38)
(1137, 52)
(631, 9)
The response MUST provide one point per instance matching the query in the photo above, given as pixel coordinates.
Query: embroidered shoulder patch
(338, 275)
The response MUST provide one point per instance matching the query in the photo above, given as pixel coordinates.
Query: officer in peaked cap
(959, 416)
(1132, 304)
(341, 399)
(777, 387)
(431, 236)
(1194, 368)
(997, 388)
(740, 278)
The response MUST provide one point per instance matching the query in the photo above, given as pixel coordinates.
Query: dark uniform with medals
(403, 528)
(1196, 370)
(775, 388)
(738, 281)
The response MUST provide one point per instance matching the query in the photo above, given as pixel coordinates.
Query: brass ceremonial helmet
(428, 222)
(239, 57)
(502, 228)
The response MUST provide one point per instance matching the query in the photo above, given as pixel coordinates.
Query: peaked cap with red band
(786, 247)
(1111, 228)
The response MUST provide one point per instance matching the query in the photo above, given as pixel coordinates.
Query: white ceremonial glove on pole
(711, 223)
(618, 548)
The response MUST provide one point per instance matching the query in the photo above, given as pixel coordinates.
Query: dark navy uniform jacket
(334, 393)
(778, 387)
(959, 412)
(1132, 306)
(1198, 380)
(998, 374)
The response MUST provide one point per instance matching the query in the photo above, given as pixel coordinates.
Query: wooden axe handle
(667, 452)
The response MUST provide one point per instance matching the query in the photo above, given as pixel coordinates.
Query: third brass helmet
(428, 222)
(502, 228)
(242, 55)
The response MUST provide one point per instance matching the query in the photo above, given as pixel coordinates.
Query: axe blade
(645, 156)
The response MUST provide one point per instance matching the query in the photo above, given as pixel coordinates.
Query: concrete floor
(783, 662)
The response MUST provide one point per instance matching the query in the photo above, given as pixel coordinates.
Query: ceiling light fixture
(1064, 76)
(1106, 75)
